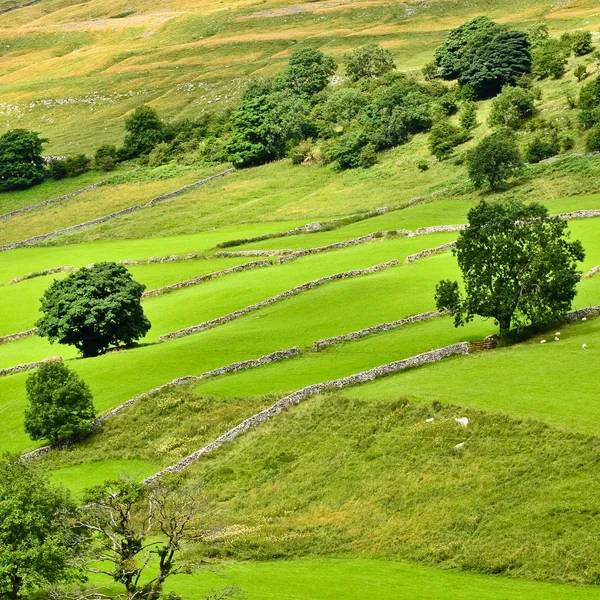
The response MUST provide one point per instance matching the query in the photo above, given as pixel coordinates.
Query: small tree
(511, 107)
(518, 266)
(106, 158)
(580, 72)
(138, 533)
(60, 403)
(494, 160)
(21, 162)
(468, 115)
(308, 72)
(581, 42)
(549, 59)
(144, 131)
(592, 139)
(368, 62)
(444, 137)
(543, 146)
(348, 151)
(93, 309)
(37, 545)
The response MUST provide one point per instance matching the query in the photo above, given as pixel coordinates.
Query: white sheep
(543, 342)
(584, 346)
(584, 319)
(463, 422)
(459, 446)
(557, 333)
(557, 339)
(431, 420)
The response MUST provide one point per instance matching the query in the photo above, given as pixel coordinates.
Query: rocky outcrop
(28, 366)
(313, 390)
(257, 264)
(13, 337)
(437, 250)
(356, 335)
(288, 294)
(232, 368)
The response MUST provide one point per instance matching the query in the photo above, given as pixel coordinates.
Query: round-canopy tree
(518, 264)
(60, 403)
(21, 162)
(368, 61)
(93, 309)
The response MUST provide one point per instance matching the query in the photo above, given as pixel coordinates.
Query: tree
(580, 72)
(581, 42)
(511, 107)
(518, 264)
(444, 137)
(468, 115)
(144, 131)
(543, 146)
(138, 533)
(37, 545)
(21, 162)
(60, 403)
(368, 62)
(494, 160)
(94, 308)
(484, 55)
(589, 103)
(308, 72)
(106, 158)
(592, 139)
(549, 59)
(348, 151)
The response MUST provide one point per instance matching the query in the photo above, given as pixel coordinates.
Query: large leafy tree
(144, 130)
(484, 56)
(518, 264)
(494, 160)
(37, 545)
(93, 309)
(21, 162)
(308, 72)
(368, 61)
(60, 403)
(589, 103)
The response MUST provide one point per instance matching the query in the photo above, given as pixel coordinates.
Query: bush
(343, 105)
(368, 156)
(444, 137)
(494, 160)
(423, 165)
(93, 309)
(307, 73)
(78, 164)
(301, 153)
(161, 155)
(57, 169)
(581, 42)
(511, 107)
(580, 72)
(542, 146)
(21, 162)
(347, 152)
(589, 103)
(468, 115)
(60, 403)
(549, 60)
(144, 131)
(592, 139)
(368, 62)
(106, 158)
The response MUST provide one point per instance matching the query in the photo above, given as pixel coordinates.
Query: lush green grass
(357, 579)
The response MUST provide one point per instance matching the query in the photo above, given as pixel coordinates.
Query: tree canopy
(308, 72)
(368, 61)
(144, 131)
(93, 309)
(21, 162)
(60, 403)
(518, 264)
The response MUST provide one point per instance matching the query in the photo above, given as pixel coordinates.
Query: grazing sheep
(557, 333)
(463, 422)
(557, 339)
(543, 342)
(430, 420)
(584, 319)
(584, 346)
(459, 446)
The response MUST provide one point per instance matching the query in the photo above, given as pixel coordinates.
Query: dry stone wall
(278, 252)
(313, 390)
(288, 294)
(131, 209)
(439, 229)
(13, 337)
(412, 257)
(592, 272)
(590, 311)
(257, 264)
(28, 366)
(354, 242)
(232, 368)
(355, 335)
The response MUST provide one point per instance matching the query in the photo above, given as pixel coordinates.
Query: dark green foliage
(93, 309)
(538, 34)
(106, 158)
(60, 403)
(57, 169)
(549, 59)
(511, 107)
(444, 137)
(518, 266)
(21, 162)
(581, 42)
(368, 156)
(468, 115)
(580, 72)
(343, 105)
(72, 166)
(347, 152)
(423, 165)
(484, 55)
(589, 103)
(307, 73)
(36, 543)
(542, 146)
(144, 131)
(494, 160)
(368, 61)
(592, 139)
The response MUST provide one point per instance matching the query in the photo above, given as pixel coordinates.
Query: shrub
(444, 137)
(468, 115)
(60, 403)
(581, 42)
(592, 139)
(346, 153)
(21, 162)
(308, 72)
(144, 131)
(494, 160)
(430, 71)
(106, 158)
(57, 169)
(549, 60)
(160, 155)
(580, 72)
(542, 146)
(93, 309)
(343, 105)
(423, 165)
(589, 103)
(368, 62)
(510, 107)
(301, 153)
(78, 164)
(368, 156)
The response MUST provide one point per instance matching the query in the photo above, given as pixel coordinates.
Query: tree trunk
(504, 326)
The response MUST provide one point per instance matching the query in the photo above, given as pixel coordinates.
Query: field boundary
(312, 390)
(29, 366)
(278, 298)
